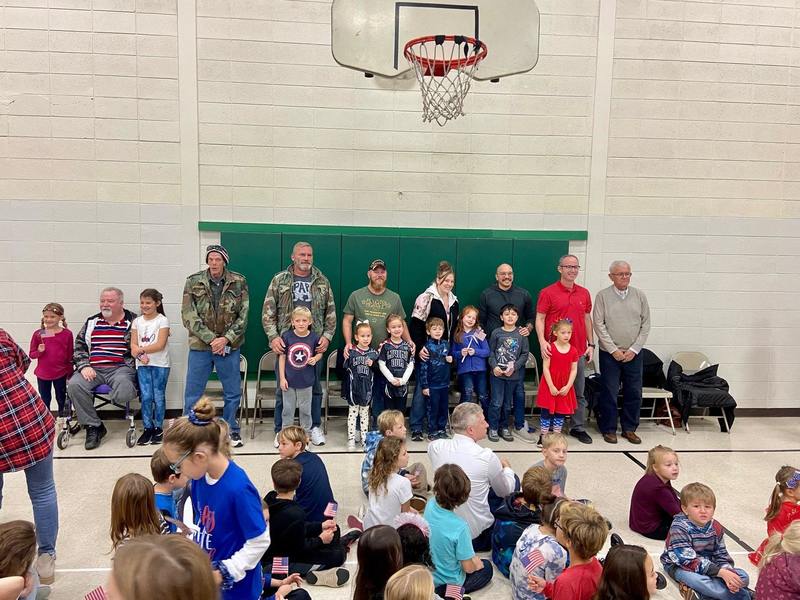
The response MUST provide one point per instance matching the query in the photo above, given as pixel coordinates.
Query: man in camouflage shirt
(300, 284)
(214, 312)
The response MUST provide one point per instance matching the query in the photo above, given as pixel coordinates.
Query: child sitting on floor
(582, 531)
(314, 493)
(784, 506)
(391, 423)
(313, 548)
(554, 451)
(695, 555)
(654, 503)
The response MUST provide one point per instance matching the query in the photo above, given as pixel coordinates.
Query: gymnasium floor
(740, 469)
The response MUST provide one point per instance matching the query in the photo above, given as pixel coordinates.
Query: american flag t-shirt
(280, 565)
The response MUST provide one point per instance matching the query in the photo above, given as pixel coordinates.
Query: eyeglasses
(176, 466)
(570, 267)
(623, 275)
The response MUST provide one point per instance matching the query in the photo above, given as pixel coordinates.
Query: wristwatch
(591, 345)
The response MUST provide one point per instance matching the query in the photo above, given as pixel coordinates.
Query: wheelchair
(100, 395)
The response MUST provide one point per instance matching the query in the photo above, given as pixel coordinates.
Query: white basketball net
(444, 67)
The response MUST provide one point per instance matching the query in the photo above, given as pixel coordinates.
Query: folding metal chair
(266, 364)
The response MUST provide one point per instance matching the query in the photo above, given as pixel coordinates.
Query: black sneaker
(236, 440)
(158, 436)
(94, 435)
(616, 540)
(581, 436)
(145, 438)
(416, 436)
(661, 581)
(432, 436)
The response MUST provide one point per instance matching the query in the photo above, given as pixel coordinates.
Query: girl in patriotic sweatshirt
(469, 350)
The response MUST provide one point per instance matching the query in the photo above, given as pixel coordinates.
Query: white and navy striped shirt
(108, 343)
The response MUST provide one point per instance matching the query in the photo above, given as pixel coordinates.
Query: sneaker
(43, 592)
(329, 577)
(418, 503)
(432, 436)
(145, 438)
(442, 435)
(506, 435)
(94, 435)
(317, 437)
(539, 442)
(687, 593)
(616, 540)
(661, 581)
(358, 437)
(277, 441)
(416, 436)
(525, 434)
(581, 436)
(236, 440)
(353, 522)
(351, 445)
(350, 537)
(46, 568)
(158, 436)
(493, 437)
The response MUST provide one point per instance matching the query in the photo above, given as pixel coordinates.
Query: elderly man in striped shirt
(102, 355)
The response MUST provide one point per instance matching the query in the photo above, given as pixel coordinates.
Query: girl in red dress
(784, 506)
(556, 398)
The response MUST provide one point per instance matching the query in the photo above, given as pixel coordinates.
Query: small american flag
(454, 591)
(280, 565)
(480, 335)
(331, 509)
(532, 559)
(97, 593)
(47, 333)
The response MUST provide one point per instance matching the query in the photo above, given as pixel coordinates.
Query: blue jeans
(439, 407)
(420, 409)
(473, 581)
(153, 394)
(503, 394)
(316, 399)
(201, 362)
(611, 373)
(45, 391)
(712, 587)
(42, 492)
(474, 382)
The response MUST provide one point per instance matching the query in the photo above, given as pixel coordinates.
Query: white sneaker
(317, 437)
(358, 436)
(277, 442)
(351, 445)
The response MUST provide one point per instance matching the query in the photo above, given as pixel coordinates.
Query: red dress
(560, 368)
(789, 512)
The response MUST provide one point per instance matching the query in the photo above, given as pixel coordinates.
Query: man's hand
(424, 354)
(412, 478)
(504, 463)
(525, 331)
(731, 579)
(278, 347)
(88, 373)
(628, 356)
(322, 345)
(545, 348)
(413, 348)
(218, 344)
(618, 354)
(426, 392)
(589, 353)
(346, 351)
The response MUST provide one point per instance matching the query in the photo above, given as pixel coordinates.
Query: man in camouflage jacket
(214, 312)
(300, 284)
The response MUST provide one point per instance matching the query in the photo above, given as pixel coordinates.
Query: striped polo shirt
(108, 343)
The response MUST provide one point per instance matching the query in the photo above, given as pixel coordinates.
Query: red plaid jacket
(26, 426)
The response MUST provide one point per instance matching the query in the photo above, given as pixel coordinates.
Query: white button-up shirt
(484, 471)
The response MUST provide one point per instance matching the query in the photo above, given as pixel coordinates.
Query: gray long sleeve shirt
(621, 322)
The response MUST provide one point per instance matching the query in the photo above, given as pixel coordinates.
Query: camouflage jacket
(278, 305)
(204, 323)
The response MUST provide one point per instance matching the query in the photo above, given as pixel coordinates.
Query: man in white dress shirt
(488, 474)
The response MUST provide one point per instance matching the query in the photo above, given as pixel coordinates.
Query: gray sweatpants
(299, 399)
(121, 380)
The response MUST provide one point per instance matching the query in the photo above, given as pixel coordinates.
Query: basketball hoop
(444, 65)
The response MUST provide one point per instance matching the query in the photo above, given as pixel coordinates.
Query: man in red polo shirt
(567, 299)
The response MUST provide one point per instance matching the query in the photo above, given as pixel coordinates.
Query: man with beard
(372, 304)
(102, 356)
(300, 284)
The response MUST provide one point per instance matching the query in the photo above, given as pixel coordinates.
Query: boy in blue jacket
(434, 377)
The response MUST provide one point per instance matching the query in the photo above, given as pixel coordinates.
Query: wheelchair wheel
(130, 438)
(63, 439)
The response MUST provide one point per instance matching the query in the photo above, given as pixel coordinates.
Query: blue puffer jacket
(476, 362)
(511, 519)
(434, 373)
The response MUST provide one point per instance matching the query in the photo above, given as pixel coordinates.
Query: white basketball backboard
(369, 35)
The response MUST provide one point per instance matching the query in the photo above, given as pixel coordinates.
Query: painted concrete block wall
(104, 170)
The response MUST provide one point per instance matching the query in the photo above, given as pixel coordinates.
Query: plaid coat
(26, 426)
